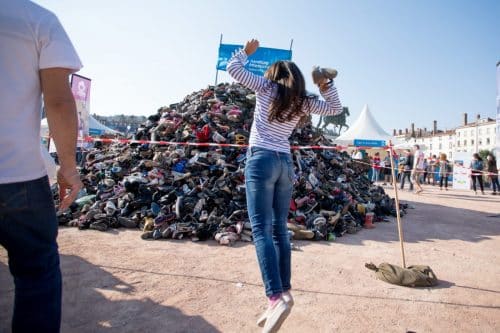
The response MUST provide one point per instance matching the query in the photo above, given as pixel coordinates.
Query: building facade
(467, 138)
(480, 135)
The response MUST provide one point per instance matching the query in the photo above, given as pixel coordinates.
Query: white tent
(365, 128)
(95, 128)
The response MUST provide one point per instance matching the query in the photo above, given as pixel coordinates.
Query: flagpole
(398, 216)
(216, 69)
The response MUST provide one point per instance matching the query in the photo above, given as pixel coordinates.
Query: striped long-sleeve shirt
(274, 135)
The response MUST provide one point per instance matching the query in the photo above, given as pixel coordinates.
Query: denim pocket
(14, 196)
(40, 195)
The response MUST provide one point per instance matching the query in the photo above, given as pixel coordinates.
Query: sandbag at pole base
(413, 276)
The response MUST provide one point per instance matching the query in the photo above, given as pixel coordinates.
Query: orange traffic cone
(369, 221)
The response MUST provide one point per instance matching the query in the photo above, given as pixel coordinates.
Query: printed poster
(80, 86)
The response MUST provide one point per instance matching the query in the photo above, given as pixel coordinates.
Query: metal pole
(398, 217)
(291, 44)
(216, 69)
(477, 135)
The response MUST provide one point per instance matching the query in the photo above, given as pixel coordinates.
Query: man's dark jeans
(406, 174)
(28, 231)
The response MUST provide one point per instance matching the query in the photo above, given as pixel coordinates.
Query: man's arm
(63, 122)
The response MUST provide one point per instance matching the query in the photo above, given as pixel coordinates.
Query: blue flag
(258, 62)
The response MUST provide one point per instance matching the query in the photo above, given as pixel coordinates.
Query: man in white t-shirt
(357, 155)
(418, 167)
(36, 57)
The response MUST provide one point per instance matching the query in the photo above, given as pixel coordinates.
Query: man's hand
(251, 46)
(70, 184)
(61, 115)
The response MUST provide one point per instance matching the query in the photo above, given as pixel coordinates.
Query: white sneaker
(276, 316)
(262, 319)
(287, 297)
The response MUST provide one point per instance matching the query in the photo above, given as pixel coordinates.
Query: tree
(484, 153)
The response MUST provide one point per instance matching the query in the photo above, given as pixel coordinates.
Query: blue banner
(369, 143)
(258, 62)
(95, 131)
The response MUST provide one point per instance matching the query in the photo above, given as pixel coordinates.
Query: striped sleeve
(329, 107)
(236, 68)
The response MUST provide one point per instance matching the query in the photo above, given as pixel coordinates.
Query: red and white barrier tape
(197, 144)
(213, 144)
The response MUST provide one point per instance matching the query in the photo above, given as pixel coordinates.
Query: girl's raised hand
(251, 46)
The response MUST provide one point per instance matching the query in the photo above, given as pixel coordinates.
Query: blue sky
(410, 61)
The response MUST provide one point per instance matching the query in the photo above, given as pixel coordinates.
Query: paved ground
(116, 282)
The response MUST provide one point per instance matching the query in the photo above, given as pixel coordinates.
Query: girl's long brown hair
(291, 93)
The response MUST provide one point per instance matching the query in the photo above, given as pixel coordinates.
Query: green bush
(484, 153)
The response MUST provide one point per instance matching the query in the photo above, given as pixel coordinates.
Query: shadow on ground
(447, 223)
(86, 309)
(443, 284)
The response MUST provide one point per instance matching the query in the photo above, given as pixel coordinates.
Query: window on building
(458, 134)
(487, 141)
(458, 143)
(450, 145)
(472, 142)
(465, 143)
(488, 130)
(450, 155)
(480, 142)
(465, 133)
(430, 146)
(471, 132)
(440, 146)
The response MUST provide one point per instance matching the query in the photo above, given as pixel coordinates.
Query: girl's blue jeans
(269, 180)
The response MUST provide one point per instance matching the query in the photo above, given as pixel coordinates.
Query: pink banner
(80, 86)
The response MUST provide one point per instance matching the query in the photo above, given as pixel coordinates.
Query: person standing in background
(36, 57)
(407, 170)
(418, 168)
(386, 170)
(433, 163)
(395, 158)
(357, 154)
(476, 172)
(444, 171)
(376, 167)
(426, 171)
(493, 173)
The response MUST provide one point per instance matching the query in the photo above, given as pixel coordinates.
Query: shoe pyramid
(198, 192)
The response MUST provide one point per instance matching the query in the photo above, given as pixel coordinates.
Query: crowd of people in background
(413, 168)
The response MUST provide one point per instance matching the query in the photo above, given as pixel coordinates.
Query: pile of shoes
(197, 192)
